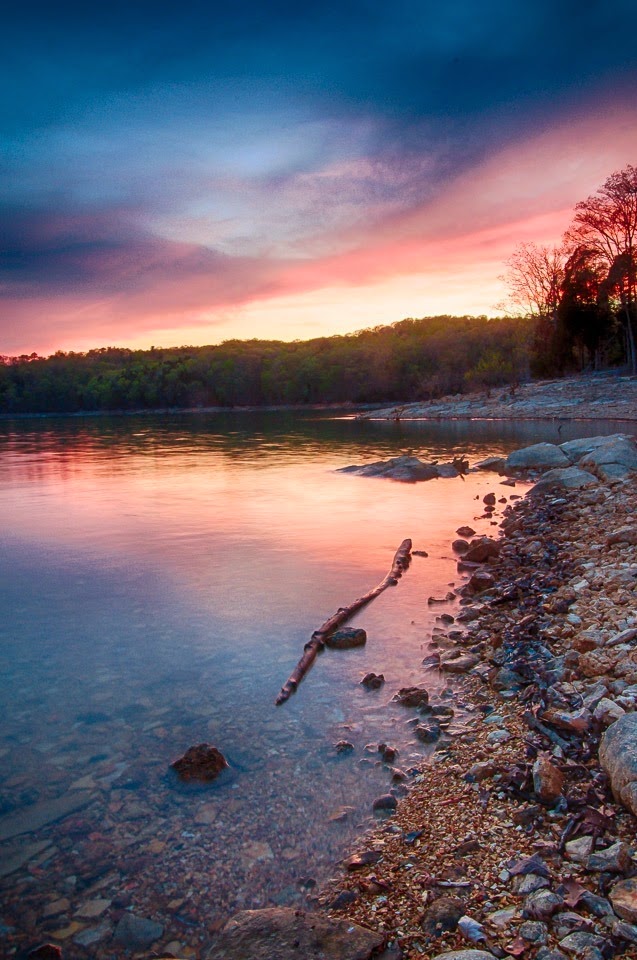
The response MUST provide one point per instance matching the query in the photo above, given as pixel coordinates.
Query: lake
(159, 576)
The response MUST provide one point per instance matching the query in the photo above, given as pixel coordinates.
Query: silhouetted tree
(606, 223)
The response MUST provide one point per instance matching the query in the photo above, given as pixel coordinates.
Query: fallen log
(402, 559)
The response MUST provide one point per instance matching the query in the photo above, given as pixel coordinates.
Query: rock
(480, 581)
(359, 860)
(529, 883)
(598, 906)
(343, 746)
(618, 757)
(623, 897)
(489, 499)
(442, 916)
(498, 736)
(200, 762)
(92, 935)
(607, 711)
(534, 931)
(388, 754)
(373, 681)
(412, 697)
(344, 899)
(46, 951)
(460, 546)
(283, 933)
(460, 664)
(576, 943)
(576, 449)
(541, 905)
(564, 478)
(624, 636)
(465, 955)
(471, 929)
(41, 814)
(624, 931)
(573, 721)
(481, 771)
(385, 803)
(547, 779)
(627, 534)
(428, 732)
(466, 532)
(614, 859)
(539, 456)
(481, 549)
(133, 932)
(346, 638)
(614, 460)
(496, 464)
(406, 469)
(579, 850)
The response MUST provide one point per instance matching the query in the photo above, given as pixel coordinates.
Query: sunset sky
(190, 173)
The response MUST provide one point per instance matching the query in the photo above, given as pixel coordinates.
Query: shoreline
(468, 835)
(600, 396)
(609, 396)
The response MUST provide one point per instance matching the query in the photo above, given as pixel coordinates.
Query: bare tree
(606, 224)
(534, 277)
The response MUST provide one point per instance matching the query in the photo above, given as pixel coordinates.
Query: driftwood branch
(402, 559)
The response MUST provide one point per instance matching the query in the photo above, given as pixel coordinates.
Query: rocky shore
(512, 843)
(591, 397)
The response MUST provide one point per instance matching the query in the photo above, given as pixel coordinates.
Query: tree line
(571, 307)
(583, 292)
(412, 359)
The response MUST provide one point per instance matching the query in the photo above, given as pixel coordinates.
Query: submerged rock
(282, 933)
(412, 697)
(407, 469)
(373, 681)
(200, 762)
(346, 638)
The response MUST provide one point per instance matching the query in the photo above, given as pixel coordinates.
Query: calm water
(159, 576)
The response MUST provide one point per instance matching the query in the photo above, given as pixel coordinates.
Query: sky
(189, 173)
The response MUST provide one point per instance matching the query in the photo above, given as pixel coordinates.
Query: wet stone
(252, 933)
(346, 638)
(201, 762)
(134, 932)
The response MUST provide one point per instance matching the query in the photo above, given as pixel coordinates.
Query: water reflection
(158, 578)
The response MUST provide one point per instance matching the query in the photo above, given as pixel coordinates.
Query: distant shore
(608, 396)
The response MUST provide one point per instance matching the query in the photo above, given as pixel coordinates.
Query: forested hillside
(409, 360)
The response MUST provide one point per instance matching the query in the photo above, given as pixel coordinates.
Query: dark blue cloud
(405, 59)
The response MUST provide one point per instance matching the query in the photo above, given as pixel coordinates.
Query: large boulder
(283, 933)
(618, 757)
(564, 478)
(616, 459)
(576, 449)
(536, 458)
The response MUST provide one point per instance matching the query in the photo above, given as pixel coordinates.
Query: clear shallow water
(159, 576)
